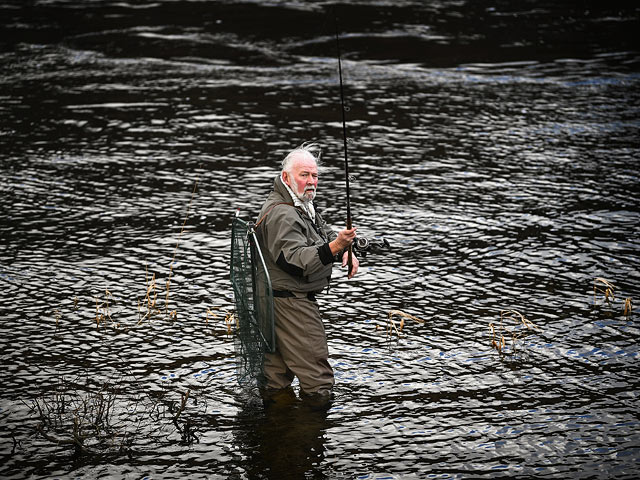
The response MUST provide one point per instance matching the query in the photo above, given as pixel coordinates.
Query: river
(494, 144)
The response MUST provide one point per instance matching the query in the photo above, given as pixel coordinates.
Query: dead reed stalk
(518, 324)
(150, 302)
(109, 417)
(57, 315)
(600, 285)
(391, 323)
(85, 420)
(606, 288)
(103, 309)
(150, 306)
(229, 318)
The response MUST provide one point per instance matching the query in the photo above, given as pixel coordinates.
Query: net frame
(253, 295)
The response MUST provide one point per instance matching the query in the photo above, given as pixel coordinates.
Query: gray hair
(307, 148)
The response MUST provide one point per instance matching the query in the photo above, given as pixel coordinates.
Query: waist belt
(287, 294)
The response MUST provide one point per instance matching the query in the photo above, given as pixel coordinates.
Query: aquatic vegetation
(607, 289)
(512, 325)
(57, 315)
(397, 328)
(600, 285)
(149, 306)
(83, 420)
(109, 418)
(230, 319)
(103, 310)
(187, 431)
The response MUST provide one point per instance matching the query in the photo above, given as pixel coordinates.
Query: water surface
(494, 144)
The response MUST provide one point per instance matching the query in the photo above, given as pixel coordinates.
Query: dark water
(494, 144)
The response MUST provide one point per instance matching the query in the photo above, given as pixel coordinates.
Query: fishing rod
(346, 156)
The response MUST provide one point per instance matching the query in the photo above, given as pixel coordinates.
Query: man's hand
(355, 263)
(345, 238)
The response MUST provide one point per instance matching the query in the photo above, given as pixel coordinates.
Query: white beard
(304, 201)
(304, 197)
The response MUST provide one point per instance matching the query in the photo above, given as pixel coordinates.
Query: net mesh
(255, 333)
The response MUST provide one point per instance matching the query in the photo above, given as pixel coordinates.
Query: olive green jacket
(295, 248)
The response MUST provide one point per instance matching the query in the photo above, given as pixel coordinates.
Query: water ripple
(502, 172)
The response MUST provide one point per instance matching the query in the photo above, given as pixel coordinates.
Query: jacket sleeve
(293, 245)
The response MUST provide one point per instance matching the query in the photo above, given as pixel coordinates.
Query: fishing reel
(363, 246)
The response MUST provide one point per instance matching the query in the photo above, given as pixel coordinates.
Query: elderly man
(299, 251)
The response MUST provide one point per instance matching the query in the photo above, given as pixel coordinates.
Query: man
(299, 251)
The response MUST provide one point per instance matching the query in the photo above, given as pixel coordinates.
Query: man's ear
(285, 177)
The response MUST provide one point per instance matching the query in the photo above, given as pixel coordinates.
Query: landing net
(255, 332)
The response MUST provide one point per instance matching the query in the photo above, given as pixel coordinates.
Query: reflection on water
(283, 442)
(493, 144)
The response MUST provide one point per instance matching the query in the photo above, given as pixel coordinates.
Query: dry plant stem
(230, 320)
(183, 404)
(403, 315)
(99, 316)
(175, 250)
(107, 294)
(627, 307)
(94, 419)
(150, 299)
(391, 324)
(152, 288)
(209, 312)
(499, 345)
(103, 310)
(52, 439)
(607, 289)
(516, 317)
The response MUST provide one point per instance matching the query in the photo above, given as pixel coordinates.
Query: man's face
(303, 179)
